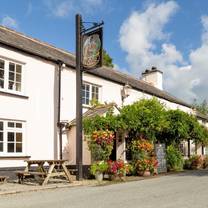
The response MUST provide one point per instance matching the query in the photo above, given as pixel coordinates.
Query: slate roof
(94, 111)
(200, 115)
(10, 38)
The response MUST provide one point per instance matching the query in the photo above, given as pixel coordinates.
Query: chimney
(154, 77)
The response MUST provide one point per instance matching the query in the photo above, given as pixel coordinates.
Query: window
(15, 77)
(10, 76)
(1, 136)
(86, 94)
(89, 92)
(11, 137)
(2, 74)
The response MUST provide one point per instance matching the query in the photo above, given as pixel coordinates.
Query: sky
(138, 34)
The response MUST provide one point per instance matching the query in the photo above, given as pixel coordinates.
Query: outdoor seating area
(3, 179)
(44, 170)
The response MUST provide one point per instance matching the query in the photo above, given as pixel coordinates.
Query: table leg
(27, 168)
(50, 170)
(67, 173)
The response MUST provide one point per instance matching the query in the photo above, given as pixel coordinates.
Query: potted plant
(143, 167)
(97, 169)
(118, 169)
(145, 161)
(101, 144)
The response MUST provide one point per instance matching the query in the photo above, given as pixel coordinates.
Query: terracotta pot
(112, 177)
(144, 173)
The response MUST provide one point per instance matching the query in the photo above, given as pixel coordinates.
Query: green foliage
(194, 162)
(100, 167)
(100, 153)
(146, 117)
(107, 60)
(100, 144)
(108, 121)
(174, 158)
(149, 119)
(182, 126)
(177, 129)
(205, 164)
(197, 133)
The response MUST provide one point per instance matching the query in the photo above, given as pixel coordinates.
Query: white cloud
(63, 8)
(59, 8)
(142, 34)
(141, 31)
(10, 22)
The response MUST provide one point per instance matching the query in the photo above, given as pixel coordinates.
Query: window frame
(15, 130)
(91, 85)
(7, 63)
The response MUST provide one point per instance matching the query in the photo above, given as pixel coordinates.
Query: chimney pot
(154, 68)
(154, 77)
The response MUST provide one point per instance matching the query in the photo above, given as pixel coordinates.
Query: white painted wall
(38, 111)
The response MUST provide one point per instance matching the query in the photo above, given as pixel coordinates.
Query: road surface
(186, 190)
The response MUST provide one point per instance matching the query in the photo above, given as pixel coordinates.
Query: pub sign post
(89, 42)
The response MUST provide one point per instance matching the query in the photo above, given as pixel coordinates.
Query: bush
(187, 164)
(119, 168)
(195, 162)
(174, 159)
(100, 167)
(101, 144)
(205, 163)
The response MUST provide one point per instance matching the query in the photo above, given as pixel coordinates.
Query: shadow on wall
(66, 152)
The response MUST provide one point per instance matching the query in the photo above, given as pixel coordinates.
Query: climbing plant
(145, 117)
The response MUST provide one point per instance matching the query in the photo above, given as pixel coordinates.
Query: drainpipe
(189, 148)
(59, 124)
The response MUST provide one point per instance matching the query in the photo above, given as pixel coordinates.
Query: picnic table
(44, 169)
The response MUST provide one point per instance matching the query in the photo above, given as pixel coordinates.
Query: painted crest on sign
(91, 50)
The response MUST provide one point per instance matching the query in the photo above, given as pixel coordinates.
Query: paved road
(187, 190)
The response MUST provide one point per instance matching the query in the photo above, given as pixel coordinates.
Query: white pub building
(29, 95)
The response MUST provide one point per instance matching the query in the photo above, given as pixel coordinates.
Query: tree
(177, 129)
(183, 127)
(201, 107)
(107, 60)
(145, 118)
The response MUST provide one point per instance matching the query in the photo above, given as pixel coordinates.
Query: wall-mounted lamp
(125, 92)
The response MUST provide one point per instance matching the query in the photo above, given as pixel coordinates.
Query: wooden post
(78, 98)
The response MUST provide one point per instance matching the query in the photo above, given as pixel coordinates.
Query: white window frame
(90, 92)
(6, 76)
(7, 129)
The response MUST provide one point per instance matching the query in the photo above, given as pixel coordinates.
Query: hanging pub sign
(92, 43)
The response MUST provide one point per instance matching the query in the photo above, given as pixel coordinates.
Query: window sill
(13, 94)
(14, 157)
(86, 106)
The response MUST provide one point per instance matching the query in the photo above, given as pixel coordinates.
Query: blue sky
(173, 35)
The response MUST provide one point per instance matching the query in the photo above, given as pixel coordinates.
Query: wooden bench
(73, 171)
(3, 179)
(23, 174)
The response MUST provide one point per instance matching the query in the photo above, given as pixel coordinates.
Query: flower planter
(117, 178)
(112, 177)
(145, 173)
(99, 176)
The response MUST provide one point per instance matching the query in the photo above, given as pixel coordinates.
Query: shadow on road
(199, 173)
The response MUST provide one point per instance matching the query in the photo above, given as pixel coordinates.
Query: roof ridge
(131, 76)
(37, 40)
